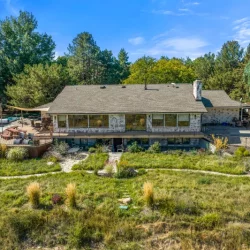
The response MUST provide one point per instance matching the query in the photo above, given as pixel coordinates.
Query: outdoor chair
(120, 148)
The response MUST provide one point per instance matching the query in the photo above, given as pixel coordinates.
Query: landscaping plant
(34, 192)
(70, 192)
(220, 142)
(155, 148)
(148, 194)
(135, 148)
(17, 153)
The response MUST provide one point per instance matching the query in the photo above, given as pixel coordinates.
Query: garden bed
(229, 165)
(94, 161)
(26, 167)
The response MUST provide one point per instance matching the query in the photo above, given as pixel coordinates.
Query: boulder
(125, 200)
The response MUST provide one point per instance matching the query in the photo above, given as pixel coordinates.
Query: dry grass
(34, 193)
(71, 195)
(148, 194)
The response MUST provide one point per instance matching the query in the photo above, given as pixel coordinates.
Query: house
(120, 114)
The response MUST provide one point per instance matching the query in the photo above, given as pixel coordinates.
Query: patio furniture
(7, 135)
(17, 141)
(73, 150)
(120, 148)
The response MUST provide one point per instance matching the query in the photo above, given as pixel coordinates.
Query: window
(186, 141)
(171, 141)
(62, 121)
(158, 120)
(135, 122)
(170, 120)
(183, 120)
(78, 121)
(98, 121)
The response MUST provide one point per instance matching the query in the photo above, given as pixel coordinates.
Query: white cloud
(57, 54)
(242, 30)
(192, 3)
(175, 47)
(184, 10)
(136, 40)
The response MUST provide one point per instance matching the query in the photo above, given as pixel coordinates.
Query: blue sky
(178, 28)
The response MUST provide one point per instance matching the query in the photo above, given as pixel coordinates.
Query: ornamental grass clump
(34, 193)
(71, 195)
(148, 194)
(17, 154)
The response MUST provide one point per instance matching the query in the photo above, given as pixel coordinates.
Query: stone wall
(220, 115)
(195, 125)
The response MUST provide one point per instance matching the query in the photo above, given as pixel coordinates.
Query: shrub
(53, 159)
(155, 148)
(92, 150)
(141, 171)
(34, 192)
(135, 148)
(109, 170)
(71, 195)
(220, 143)
(61, 147)
(241, 151)
(17, 154)
(123, 172)
(3, 150)
(56, 199)
(208, 221)
(148, 194)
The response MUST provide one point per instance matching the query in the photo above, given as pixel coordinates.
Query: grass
(191, 211)
(93, 162)
(229, 165)
(71, 195)
(34, 193)
(25, 167)
(148, 193)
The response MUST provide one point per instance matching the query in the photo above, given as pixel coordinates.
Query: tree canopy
(21, 44)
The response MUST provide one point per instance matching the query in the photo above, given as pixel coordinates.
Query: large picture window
(135, 122)
(62, 121)
(158, 120)
(98, 121)
(170, 120)
(183, 120)
(78, 121)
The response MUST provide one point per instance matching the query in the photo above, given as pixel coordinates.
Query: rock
(125, 200)
(50, 163)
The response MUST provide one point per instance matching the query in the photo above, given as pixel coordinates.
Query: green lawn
(94, 161)
(31, 166)
(192, 211)
(230, 165)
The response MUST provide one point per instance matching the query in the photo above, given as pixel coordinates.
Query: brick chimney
(197, 90)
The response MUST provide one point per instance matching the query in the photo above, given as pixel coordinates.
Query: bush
(17, 154)
(109, 170)
(53, 159)
(56, 199)
(208, 221)
(241, 151)
(123, 172)
(34, 192)
(148, 194)
(155, 148)
(71, 195)
(3, 150)
(135, 148)
(61, 147)
(92, 150)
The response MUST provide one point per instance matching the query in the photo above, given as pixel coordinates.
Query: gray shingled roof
(161, 98)
(218, 98)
